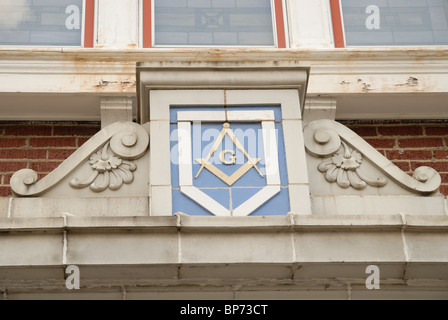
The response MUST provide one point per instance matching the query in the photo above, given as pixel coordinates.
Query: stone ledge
(269, 224)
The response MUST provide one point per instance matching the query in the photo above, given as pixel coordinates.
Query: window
(241, 23)
(46, 22)
(390, 22)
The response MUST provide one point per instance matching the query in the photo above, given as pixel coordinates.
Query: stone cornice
(235, 54)
(266, 251)
(354, 75)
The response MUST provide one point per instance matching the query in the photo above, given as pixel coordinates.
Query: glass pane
(41, 22)
(395, 22)
(213, 22)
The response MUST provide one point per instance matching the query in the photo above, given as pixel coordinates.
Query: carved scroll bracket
(110, 153)
(344, 151)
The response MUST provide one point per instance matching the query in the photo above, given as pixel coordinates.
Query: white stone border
(289, 100)
(160, 157)
(184, 119)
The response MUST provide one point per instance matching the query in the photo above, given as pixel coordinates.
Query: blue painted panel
(181, 203)
(250, 135)
(187, 205)
(277, 205)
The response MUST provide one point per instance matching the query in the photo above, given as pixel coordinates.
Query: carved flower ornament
(344, 168)
(109, 171)
(112, 164)
(102, 161)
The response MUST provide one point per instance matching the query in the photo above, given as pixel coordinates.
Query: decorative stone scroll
(344, 152)
(109, 153)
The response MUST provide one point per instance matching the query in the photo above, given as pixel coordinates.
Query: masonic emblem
(226, 176)
(251, 163)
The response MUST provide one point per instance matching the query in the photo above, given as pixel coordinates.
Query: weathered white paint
(366, 83)
(118, 24)
(309, 24)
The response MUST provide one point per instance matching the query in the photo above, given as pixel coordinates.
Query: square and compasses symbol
(231, 160)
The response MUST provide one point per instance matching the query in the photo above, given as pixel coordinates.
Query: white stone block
(295, 152)
(377, 205)
(243, 248)
(4, 205)
(160, 160)
(427, 247)
(299, 199)
(349, 247)
(30, 249)
(161, 201)
(79, 207)
(122, 248)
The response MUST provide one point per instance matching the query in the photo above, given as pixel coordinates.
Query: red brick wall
(409, 144)
(43, 146)
(38, 146)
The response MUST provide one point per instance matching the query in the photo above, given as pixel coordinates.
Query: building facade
(224, 149)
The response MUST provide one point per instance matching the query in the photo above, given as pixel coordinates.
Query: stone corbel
(344, 152)
(110, 154)
(319, 108)
(114, 109)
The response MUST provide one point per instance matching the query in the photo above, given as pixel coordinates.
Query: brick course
(40, 146)
(409, 144)
(43, 146)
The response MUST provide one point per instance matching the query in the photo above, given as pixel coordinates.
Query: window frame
(337, 23)
(87, 33)
(339, 30)
(278, 22)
